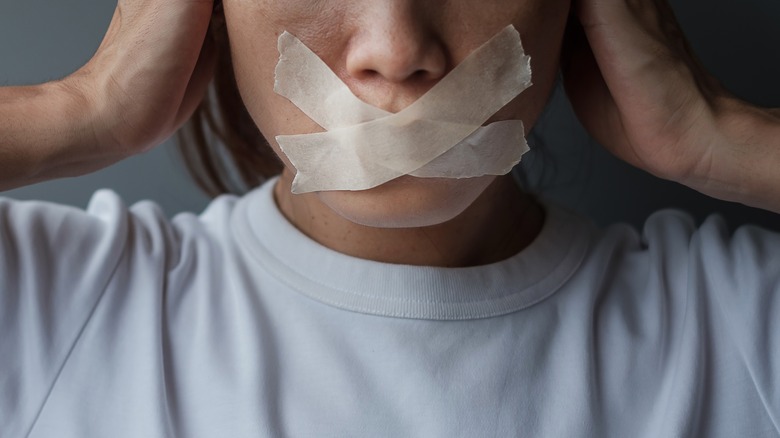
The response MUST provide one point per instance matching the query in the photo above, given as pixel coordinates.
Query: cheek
(253, 45)
(253, 51)
(542, 35)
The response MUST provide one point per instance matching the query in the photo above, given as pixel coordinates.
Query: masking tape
(439, 135)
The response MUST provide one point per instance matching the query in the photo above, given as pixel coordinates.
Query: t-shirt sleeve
(742, 272)
(55, 262)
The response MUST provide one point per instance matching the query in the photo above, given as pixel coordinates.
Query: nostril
(420, 74)
(397, 59)
(366, 74)
(423, 75)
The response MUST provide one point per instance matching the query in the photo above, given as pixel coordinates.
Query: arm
(639, 90)
(147, 77)
(746, 167)
(55, 261)
(45, 132)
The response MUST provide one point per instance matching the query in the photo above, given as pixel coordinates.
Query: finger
(641, 41)
(661, 94)
(589, 95)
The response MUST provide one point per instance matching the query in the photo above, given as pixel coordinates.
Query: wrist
(65, 117)
(743, 164)
(86, 142)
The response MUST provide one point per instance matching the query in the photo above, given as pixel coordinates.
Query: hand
(149, 73)
(638, 89)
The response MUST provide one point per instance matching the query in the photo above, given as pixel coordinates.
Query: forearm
(45, 133)
(746, 168)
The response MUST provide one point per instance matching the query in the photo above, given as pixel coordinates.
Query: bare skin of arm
(145, 80)
(37, 127)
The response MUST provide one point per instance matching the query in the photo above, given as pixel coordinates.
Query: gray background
(737, 41)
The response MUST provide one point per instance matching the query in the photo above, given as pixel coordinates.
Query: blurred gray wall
(736, 40)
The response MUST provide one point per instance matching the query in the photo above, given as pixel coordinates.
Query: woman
(422, 307)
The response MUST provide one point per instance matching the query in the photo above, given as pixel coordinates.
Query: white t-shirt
(119, 323)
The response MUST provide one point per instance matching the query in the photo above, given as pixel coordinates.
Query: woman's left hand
(639, 90)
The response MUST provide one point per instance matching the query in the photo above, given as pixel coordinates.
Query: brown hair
(221, 146)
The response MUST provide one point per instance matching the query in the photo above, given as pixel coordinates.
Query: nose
(397, 45)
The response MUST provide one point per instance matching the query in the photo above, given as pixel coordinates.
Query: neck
(499, 224)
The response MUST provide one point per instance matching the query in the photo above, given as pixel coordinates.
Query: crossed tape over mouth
(439, 135)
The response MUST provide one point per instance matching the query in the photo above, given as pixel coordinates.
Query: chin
(407, 202)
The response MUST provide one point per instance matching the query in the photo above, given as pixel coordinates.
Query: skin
(639, 90)
(627, 68)
(390, 53)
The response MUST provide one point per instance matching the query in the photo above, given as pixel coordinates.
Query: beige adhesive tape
(439, 135)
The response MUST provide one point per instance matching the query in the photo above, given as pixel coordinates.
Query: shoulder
(712, 251)
(104, 271)
(675, 275)
(673, 269)
(107, 225)
(69, 257)
(675, 238)
(61, 241)
(679, 307)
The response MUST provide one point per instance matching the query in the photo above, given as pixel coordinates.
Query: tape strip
(439, 135)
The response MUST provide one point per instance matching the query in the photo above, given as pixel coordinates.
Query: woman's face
(389, 52)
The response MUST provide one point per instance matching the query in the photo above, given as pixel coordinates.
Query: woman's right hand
(149, 73)
(145, 80)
